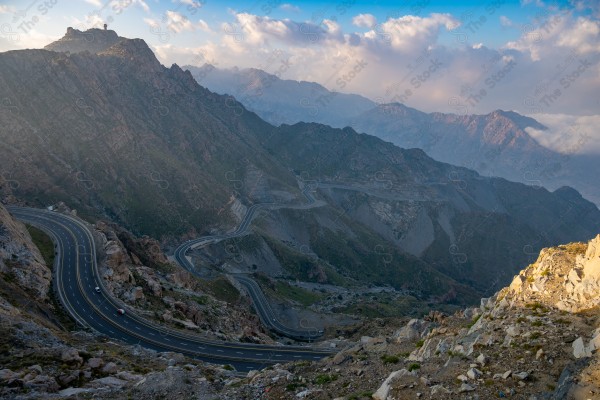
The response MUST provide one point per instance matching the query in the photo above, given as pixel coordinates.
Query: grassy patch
(535, 335)
(389, 359)
(223, 290)
(302, 296)
(361, 395)
(474, 321)
(574, 248)
(43, 243)
(413, 367)
(323, 379)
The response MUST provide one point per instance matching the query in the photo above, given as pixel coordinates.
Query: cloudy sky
(531, 56)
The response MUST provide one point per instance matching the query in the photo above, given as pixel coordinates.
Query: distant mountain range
(115, 134)
(495, 144)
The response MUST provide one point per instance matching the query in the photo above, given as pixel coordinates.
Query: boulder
(474, 373)
(513, 331)
(465, 387)
(110, 368)
(439, 390)
(128, 376)
(384, 389)
(67, 379)
(580, 350)
(591, 260)
(109, 381)
(137, 293)
(95, 363)
(481, 359)
(71, 355)
(415, 329)
(42, 383)
(521, 375)
(7, 375)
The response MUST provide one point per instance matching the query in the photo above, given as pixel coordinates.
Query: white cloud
(402, 59)
(410, 32)
(6, 9)
(558, 32)
(568, 134)
(261, 30)
(203, 26)
(177, 22)
(120, 5)
(364, 21)
(505, 21)
(95, 3)
(289, 7)
(584, 36)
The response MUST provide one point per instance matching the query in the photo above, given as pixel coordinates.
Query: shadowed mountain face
(114, 133)
(119, 135)
(495, 144)
(449, 216)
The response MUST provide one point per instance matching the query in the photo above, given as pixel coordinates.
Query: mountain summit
(92, 40)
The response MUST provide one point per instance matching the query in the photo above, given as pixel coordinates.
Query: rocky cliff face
(20, 259)
(539, 338)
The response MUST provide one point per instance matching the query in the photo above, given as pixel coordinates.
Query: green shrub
(389, 359)
(323, 379)
(413, 366)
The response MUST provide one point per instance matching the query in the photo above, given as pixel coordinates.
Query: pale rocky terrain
(20, 260)
(536, 339)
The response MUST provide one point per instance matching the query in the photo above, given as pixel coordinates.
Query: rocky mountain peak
(134, 50)
(519, 120)
(93, 40)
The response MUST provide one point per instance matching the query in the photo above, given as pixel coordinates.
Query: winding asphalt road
(259, 300)
(76, 275)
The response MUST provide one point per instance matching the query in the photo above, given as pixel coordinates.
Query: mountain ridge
(479, 141)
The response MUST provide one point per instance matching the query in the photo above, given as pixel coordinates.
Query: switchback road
(76, 275)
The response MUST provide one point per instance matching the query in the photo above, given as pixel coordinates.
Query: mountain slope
(495, 144)
(117, 134)
(281, 101)
(448, 216)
